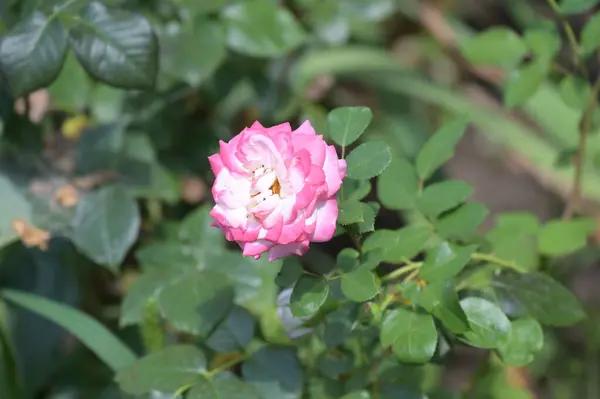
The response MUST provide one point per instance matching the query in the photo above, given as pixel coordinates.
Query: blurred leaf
(32, 53)
(165, 371)
(558, 237)
(544, 43)
(368, 160)
(524, 342)
(106, 225)
(360, 285)
(576, 6)
(590, 35)
(351, 211)
(442, 196)
(234, 333)
(545, 299)
(10, 381)
(308, 296)
(346, 124)
(193, 52)
(524, 82)
(463, 222)
(412, 335)
(398, 245)
(357, 395)
(575, 91)
(260, 28)
(494, 46)
(333, 364)
(201, 7)
(398, 185)
(222, 387)
(439, 148)
(129, 55)
(445, 261)
(489, 326)
(514, 238)
(71, 91)
(106, 103)
(275, 373)
(99, 148)
(13, 205)
(290, 272)
(89, 331)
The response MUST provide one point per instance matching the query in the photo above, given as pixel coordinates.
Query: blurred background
(224, 64)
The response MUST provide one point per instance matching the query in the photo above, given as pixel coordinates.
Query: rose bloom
(275, 189)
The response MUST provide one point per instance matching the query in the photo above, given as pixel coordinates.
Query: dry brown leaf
(67, 196)
(30, 235)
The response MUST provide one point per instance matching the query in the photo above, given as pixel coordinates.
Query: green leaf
(445, 261)
(346, 124)
(197, 302)
(368, 160)
(308, 296)
(544, 298)
(489, 326)
(71, 91)
(222, 387)
(360, 285)
(357, 395)
(193, 52)
(463, 222)
(526, 339)
(514, 238)
(590, 35)
(275, 372)
(575, 91)
(32, 53)
(494, 46)
(290, 272)
(399, 245)
(576, 6)
(442, 196)
(356, 189)
(234, 333)
(398, 185)
(524, 83)
(90, 332)
(14, 205)
(116, 47)
(165, 371)
(369, 213)
(351, 211)
(561, 237)
(106, 225)
(544, 43)
(413, 335)
(439, 148)
(260, 28)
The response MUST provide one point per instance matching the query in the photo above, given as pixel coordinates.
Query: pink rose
(275, 189)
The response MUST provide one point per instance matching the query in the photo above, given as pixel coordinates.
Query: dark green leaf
(89, 331)
(369, 213)
(440, 197)
(351, 211)
(398, 185)
(346, 124)
(524, 342)
(165, 371)
(524, 82)
(234, 333)
(116, 47)
(106, 225)
(222, 387)
(495, 46)
(332, 364)
(590, 35)
(463, 222)
(489, 326)
(545, 299)
(544, 43)
(260, 28)
(290, 272)
(32, 53)
(413, 335)
(445, 261)
(356, 189)
(368, 160)
(360, 285)
(576, 6)
(575, 91)
(347, 260)
(309, 294)
(275, 372)
(560, 237)
(439, 148)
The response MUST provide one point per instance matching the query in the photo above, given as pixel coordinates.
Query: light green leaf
(398, 185)
(346, 124)
(514, 238)
(369, 213)
(489, 326)
(32, 53)
(90, 332)
(222, 387)
(106, 225)
(357, 395)
(116, 47)
(576, 6)
(445, 261)
(526, 339)
(261, 28)
(463, 222)
(440, 147)
(275, 373)
(71, 91)
(165, 371)
(308, 296)
(544, 43)
(559, 237)
(399, 245)
(351, 211)
(575, 91)
(412, 335)
(442, 196)
(360, 285)
(544, 298)
(495, 46)
(201, 7)
(524, 82)
(368, 160)
(590, 35)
